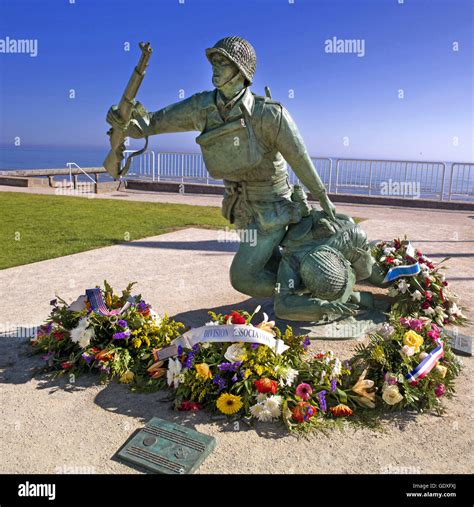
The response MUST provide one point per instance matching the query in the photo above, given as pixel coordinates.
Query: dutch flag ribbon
(427, 364)
(399, 271)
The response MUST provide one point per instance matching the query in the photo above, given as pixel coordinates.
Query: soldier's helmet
(239, 51)
(327, 274)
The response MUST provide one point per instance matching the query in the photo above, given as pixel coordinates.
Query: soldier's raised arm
(184, 116)
(291, 145)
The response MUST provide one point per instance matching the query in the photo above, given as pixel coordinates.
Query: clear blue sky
(407, 46)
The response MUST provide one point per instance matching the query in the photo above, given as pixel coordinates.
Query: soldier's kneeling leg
(247, 272)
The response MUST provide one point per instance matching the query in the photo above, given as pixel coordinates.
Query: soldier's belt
(262, 191)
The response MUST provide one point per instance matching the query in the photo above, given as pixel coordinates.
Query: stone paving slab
(52, 426)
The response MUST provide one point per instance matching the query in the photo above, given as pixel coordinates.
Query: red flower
(440, 390)
(320, 355)
(389, 260)
(303, 412)
(189, 405)
(425, 305)
(441, 295)
(59, 335)
(265, 385)
(427, 295)
(427, 283)
(66, 365)
(418, 253)
(397, 244)
(236, 318)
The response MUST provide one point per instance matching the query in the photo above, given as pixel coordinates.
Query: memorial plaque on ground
(167, 448)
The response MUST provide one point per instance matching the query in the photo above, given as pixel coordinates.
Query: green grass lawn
(39, 227)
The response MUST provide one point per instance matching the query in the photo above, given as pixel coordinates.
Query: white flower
(336, 369)
(388, 250)
(288, 376)
(155, 317)
(212, 323)
(396, 262)
(391, 395)
(429, 311)
(261, 397)
(261, 413)
(454, 309)
(257, 309)
(403, 286)
(382, 258)
(173, 373)
(81, 335)
(235, 352)
(407, 351)
(416, 296)
(273, 405)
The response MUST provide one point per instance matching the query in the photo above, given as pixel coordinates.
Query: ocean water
(50, 157)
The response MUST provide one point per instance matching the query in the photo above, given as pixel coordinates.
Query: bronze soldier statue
(245, 140)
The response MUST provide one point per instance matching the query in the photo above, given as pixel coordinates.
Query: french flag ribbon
(96, 301)
(427, 364)
(399, 271)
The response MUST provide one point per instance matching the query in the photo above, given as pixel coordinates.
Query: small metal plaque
(460, 343)
(167, 448)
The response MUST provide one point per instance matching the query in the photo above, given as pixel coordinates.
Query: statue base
(339, 328)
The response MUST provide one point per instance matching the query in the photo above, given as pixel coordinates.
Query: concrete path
(53, 426)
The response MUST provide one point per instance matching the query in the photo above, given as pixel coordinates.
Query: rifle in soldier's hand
(119, 117)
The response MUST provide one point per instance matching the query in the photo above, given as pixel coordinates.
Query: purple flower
(189, 360)
(234, 378)
(142, 306)
(306, 343)
(122, 323)
(254, 346)
(122, 335)
(229, 366)
(220, 382)
(180, 350)
(322, 400)
(104, 368)
(196, 347)
(346, 365)
(47, 356)
(333, 384)
(88, 358)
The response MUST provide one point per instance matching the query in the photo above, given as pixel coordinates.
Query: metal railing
(142, 166)
(461, 182)
(391, 178)
(383, 178)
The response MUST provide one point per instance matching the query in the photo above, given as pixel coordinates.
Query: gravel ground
(55, 426)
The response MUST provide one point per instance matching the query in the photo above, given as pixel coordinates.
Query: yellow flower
(361, 386)
(108, 299)
(441, 370)
(247, 373)
(414, 340)
(391, 395)
(137, 342)
(259, 370)
(229, 403)
(127, 377)
(203, 371)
